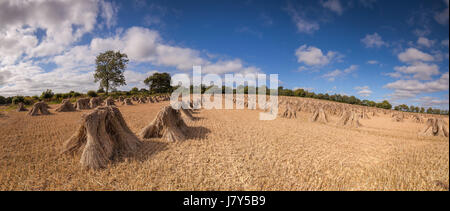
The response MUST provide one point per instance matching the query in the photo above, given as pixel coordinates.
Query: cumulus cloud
(404, 89)
(363, 91)
(423, 41)
(74, 67)
(394, 74)
(373, 41)
(61, 22)
(314, 56)
(414, 55)
(428, 101)
(420, 70)
(442, 17)
(331, 76)
(333, 5)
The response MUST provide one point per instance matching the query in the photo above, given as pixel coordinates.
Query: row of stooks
(104, 135)
(350, 115)
(88, 103)
(288, 108)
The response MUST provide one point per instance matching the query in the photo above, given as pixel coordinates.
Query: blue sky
(372, 49)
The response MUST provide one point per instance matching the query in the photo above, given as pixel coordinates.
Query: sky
(372, 49)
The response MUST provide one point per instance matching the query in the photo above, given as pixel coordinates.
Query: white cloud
(351, 69)
(413, 55)
(76, 64)
(404, 89)
(442, 17)
(145, 45)
(109, 13)
(444, 43)
(372, 62)
(309, 89)
(333, 5)
(419, 70)
(373, 40)
(331, 76)
(150, 20)
(394, 74)
(136, 79)
(314, 56)
(363, 91)
(14, 43)
(428, 101)
(61, 22)
(425, 42)
(422, 32)
(303, 25)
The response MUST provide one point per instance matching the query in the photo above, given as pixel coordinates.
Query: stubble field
(229, 150)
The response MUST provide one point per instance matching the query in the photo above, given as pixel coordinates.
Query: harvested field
(229, 150)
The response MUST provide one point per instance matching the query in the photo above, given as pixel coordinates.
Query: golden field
(229, 150)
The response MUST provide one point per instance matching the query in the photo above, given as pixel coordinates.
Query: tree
(422, 110)
(110, 68)
(18, 99)
(47, 94)
(299, 93)
(385, 104)
(92, 93)
(2, 100)
(429, 110)
(101, 90)
(74, 94)
(159, 83)
(134, 90)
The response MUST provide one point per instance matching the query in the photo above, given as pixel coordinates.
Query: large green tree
(110, 68)
(159, 83)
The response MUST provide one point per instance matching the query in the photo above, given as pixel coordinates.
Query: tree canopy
(110, 68)
(159, 83)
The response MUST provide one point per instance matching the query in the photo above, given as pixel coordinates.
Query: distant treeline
(49, 96)
(335, 97)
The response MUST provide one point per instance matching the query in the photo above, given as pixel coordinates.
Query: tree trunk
(107, 87)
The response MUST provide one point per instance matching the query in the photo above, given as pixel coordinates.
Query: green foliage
(159, 83)
(74, 94)
(92, 93)
(101, 90)
(47, 94)
(422, 110)
(385, 104)
(66, 95)
(2, 100)
(401, 107)
(110, 68)
(58, 96)
(18, 99)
